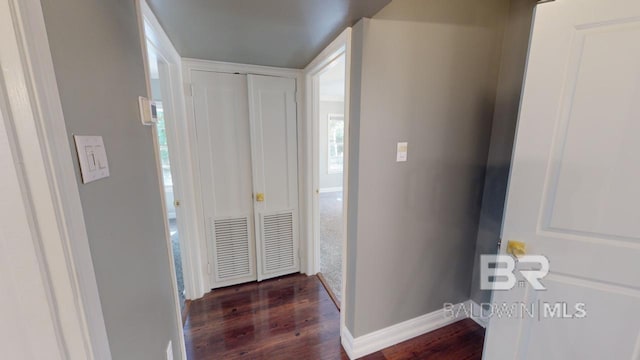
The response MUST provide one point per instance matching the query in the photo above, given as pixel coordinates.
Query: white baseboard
(478, 314)
(394, 334)
(330, 189)
(347, 342)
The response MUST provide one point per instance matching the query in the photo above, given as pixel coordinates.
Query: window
(336, 143)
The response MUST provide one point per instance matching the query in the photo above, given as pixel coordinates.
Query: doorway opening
(160, 85)
(329, 116)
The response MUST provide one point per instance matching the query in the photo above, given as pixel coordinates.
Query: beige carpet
(331, 240)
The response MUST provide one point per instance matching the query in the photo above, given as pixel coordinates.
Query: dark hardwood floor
(293, 317)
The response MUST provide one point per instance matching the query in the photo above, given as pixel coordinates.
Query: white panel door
(222, 126)
(574, 192)
(272, 110)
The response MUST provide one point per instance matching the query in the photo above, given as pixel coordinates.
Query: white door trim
(46, 164)
(190, 65)
(159, 40)
(227, 67)
(341, 45)
(180, 156)
(336, 49)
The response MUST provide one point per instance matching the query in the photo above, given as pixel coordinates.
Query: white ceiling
(283, 33)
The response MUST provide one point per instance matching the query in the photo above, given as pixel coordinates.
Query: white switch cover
(401, 152)
(92, 157)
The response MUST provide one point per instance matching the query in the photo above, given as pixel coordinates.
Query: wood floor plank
(461, 340)
(293, 317)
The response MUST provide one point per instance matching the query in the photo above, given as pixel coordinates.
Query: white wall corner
(394, 334)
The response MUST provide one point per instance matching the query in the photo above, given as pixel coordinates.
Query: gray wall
(514, 54)
(428, 76)
(99, 68)
(327, 107)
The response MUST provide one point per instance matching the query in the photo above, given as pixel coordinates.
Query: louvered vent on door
(278, 236)
(232, 248)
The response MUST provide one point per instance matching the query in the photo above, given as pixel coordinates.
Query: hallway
(293, 318)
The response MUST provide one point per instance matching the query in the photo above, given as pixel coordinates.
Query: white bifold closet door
(272, 114)
(247, 149)
(224, 153)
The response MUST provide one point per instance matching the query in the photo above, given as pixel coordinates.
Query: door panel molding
(221, 115)
(272, 114)
(573, 194)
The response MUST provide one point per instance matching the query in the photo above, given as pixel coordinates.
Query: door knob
(516, 248)
(260, 197)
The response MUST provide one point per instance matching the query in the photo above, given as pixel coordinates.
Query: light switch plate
(401, 151)
(92, 157)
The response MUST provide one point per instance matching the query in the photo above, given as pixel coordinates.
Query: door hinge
(188, 89)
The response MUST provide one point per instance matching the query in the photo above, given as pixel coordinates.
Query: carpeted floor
(331, 240)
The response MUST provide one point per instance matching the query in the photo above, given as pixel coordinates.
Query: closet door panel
(272, 113)
(223, 142)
